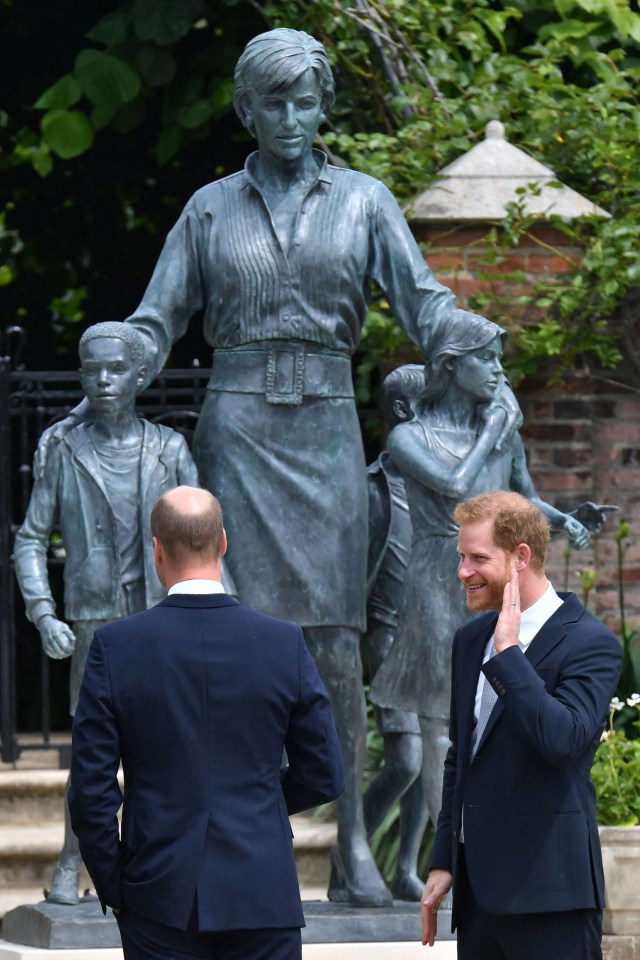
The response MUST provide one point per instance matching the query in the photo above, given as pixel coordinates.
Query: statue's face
(285, 123)
(109, 376)
(480, 372)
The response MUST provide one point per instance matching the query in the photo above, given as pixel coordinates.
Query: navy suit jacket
(198, 697)
(530, 836)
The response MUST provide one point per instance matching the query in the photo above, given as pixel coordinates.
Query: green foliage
(616, 771)
(136, 105)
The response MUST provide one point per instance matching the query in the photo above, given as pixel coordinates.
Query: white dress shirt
(196, 586)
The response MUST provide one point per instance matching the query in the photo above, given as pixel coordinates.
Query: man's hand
(436, 889)
(508, 625)
(58, 639)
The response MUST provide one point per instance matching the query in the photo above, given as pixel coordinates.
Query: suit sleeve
(560, 723)
(314, 773)
(94, 793)
(442, 852)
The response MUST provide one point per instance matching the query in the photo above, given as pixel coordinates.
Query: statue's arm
(522, 483)
(31, 545)
(186, 470)
(407, 445)
(419, 302)
(175, 291)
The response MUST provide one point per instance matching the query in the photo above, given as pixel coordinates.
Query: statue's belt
(285, 373)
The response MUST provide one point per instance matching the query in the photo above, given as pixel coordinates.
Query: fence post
(7, 643)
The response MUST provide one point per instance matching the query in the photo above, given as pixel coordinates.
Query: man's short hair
(274, 60)
(515, 520)
(188, 534)
(404, 383)
(115, 330)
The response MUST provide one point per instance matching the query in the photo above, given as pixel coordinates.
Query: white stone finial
(494, 130)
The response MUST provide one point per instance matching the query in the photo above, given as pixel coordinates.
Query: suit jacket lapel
(471, 673)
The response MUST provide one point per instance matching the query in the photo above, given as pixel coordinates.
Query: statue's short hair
(274, 60)
(459, 333)
(515, 520)
(404, 383)
(115, 330)
(186, 534)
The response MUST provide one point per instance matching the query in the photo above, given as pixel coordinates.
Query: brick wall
(582, 437)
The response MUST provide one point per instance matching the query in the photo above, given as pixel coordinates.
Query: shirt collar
(196, 586)
(324, 174)
(535, 616)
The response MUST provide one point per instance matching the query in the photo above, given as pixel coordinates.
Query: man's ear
(142, 372)
(522, 556)
(449, 364)
(158, 552)
(223, 545)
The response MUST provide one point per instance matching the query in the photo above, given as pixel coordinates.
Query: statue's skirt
(291, 479)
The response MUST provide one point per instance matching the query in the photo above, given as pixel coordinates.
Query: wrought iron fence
(31, 401)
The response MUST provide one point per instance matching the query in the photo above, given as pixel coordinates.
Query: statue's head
(273, 61)
(462, 333)
(112, 367)
(115, 330)
(400, 391)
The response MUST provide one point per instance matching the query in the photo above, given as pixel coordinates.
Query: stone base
(52, 926)
(340, 923)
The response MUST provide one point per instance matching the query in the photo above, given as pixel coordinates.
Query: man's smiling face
(484, 568)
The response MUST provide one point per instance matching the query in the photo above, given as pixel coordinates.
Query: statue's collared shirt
(223, 256)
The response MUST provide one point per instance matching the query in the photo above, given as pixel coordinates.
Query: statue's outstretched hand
(593, 515)
(58, 639)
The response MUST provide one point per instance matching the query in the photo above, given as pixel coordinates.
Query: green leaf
(195, 114)
(68, 132)
(569, 29)
(168, 144)
(111, 29)
(156, 66)
(107, 81)
(164, 23)
(62, 94)
(222, 95)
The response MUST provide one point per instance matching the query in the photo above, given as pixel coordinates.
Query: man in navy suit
(517, 833)
(198, 697)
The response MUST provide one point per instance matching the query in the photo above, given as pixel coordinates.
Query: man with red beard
(531, 685)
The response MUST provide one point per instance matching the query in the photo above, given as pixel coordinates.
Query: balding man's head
(188, 523)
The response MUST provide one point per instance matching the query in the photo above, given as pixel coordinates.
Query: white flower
(634, 700)
(616, 704)
(604, 735)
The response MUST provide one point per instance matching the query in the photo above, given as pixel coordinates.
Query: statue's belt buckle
(285, 374)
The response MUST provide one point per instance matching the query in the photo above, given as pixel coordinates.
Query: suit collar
(554, 629)
(198, 600)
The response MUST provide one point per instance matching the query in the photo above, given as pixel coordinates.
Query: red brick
(447, 260)
(561, 265)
